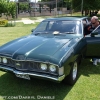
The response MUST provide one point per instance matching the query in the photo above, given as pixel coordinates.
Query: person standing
(89, 28)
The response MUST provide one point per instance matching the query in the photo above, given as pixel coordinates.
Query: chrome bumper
(58, 79)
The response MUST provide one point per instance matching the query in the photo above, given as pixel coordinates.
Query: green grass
(10, 33)
(87, 86)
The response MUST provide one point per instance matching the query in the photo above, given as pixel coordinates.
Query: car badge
(17, 64)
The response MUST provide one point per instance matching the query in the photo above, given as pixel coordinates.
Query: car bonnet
(33, 47)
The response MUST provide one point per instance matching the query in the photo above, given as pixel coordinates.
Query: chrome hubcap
(74, 70)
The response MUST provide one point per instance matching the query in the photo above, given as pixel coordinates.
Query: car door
(93, 43)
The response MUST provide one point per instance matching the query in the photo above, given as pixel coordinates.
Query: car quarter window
(86, 21)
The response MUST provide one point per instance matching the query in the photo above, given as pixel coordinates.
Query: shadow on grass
(86, 68)
(36, 88)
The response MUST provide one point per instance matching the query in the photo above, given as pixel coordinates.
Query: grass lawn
(87, 86)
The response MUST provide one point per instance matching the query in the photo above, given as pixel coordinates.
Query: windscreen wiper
(68, 33)
(37, 33)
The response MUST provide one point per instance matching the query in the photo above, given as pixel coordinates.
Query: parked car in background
(53, 51)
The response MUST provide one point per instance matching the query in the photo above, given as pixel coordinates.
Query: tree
(23, 6)
(8, 8)
(88, 5)
(2, 4)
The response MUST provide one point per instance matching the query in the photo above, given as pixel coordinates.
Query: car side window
(84, 22)
(84, 25)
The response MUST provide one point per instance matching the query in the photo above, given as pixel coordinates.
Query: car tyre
(73, 75)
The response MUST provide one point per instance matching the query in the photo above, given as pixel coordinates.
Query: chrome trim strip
(32, 74)
(6, 54)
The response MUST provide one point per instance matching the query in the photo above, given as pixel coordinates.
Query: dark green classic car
(53, 51)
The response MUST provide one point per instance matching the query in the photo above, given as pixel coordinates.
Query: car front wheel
(72, 77)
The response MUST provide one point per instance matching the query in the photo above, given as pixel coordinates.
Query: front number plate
(23, 76)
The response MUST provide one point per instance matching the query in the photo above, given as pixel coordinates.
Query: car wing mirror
(32, 30)
(94, 33)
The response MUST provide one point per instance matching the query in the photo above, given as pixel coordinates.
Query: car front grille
(22, 65)
(25, 65)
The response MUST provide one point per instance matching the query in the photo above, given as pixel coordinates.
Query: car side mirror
(32, 30)
(94, 33)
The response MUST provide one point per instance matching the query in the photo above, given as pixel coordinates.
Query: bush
(10, 24)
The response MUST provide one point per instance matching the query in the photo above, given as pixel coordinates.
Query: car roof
(66, 18)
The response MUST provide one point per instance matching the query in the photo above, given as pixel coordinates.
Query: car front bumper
(31, 74)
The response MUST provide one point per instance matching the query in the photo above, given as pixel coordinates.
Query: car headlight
(4, 60)
(43, 67)
(0, 59)
(52, 68)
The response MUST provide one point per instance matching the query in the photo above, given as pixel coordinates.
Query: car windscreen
(61, 26)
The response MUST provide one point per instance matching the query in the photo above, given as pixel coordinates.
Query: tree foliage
(2, 3)
(87, 4)
(23, 6)
(8, 8)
